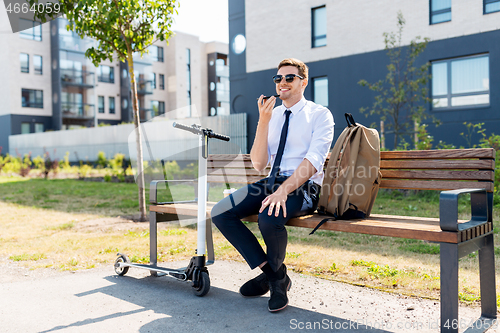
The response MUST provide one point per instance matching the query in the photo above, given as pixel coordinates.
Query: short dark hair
(301, 66)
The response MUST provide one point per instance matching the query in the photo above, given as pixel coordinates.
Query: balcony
(144, 87)
(222, 95)
(109, 78)
(72, 42)
(221, 70)
(145, 59)
(73, 77)
(77, 110)
(145, 114)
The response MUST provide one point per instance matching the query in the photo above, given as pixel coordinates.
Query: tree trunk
(138, 138)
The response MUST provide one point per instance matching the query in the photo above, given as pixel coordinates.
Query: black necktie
(281, 148)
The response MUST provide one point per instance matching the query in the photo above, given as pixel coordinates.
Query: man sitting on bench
(291, 188)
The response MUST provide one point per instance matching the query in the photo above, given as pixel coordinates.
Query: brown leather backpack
(352, 176)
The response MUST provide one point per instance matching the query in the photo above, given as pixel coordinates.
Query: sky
(207, 19)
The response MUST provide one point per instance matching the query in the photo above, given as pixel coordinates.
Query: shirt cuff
(315, 160)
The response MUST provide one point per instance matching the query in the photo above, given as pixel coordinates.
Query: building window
(112, 105)
(188, 78)
(491, 6)
(106, 74)
(161, 108)
(461, 82)
(320, 90)
(160, 54)
(158, 108)
(440, 11)
(25, 128)
(153, 79)
(161, 78)
(38, 63)
(32, 98)
(38, 128)
(318, 26)
(25, 62)
(156, 53)
(30, 30)
(100, 103)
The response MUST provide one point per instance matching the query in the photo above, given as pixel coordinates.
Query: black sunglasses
(288, 78)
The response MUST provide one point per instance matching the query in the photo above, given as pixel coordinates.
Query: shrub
(25, 165)
(84, 170)
(64, 164)
(49, 165)
(101, 160)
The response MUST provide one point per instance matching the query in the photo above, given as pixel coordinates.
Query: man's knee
(216, 214)
(271, 223)
(222, 211)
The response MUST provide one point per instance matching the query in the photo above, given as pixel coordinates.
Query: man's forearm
(258, 154)
(304, 171)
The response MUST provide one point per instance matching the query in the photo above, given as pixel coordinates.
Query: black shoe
(279, 300)
(257, 286)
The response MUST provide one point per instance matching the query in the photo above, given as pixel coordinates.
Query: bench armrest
(153, 191)
(448, 209)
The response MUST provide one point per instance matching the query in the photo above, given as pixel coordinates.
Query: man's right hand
(258, 154)
(266, 107)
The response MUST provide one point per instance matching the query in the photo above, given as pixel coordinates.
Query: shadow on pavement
(221, 310)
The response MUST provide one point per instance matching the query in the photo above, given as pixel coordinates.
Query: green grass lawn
(52, 210)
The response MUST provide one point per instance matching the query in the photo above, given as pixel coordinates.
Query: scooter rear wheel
(121, 270)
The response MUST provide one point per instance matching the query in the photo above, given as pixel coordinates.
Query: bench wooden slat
(442, 154)
(433, 185)
(385, 183)
(229, 164)
(227, 157)
(382, 225)
(439, 174)
(233, 179)
(236, 172)
(472, 153)
(438, 164)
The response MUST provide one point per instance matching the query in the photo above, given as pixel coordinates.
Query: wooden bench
(454, 171)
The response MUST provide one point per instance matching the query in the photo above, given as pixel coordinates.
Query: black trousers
(228, 213)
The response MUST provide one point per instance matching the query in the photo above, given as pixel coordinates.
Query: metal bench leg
(449, 287)
(487, 278)
(152, 241)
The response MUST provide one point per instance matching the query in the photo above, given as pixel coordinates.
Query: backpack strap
(333, 218)
(348, 215)
(350, 120)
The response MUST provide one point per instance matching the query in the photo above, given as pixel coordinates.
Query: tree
(403, 94)
(121, 29)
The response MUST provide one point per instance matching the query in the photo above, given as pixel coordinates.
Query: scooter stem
(202, 195)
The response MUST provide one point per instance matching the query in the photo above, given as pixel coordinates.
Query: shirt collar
(297, 107)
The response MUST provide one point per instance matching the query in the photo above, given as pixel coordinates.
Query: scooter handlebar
(195, 130)
(218, 136)
(187, 128)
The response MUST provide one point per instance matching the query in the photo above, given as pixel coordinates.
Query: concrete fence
(160, 140)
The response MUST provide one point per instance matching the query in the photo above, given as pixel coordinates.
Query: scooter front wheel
(203, 285)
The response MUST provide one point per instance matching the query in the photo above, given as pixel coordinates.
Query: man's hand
(276, 200)
(258, 154)
(266, 108)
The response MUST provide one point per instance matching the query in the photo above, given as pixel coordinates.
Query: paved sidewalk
(100, 301)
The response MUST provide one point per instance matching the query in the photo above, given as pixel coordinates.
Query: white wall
(281, 29)
(163, 140)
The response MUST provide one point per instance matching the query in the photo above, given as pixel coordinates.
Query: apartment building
(342, 42)
(49, 85)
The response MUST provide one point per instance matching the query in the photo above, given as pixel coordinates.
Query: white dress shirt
(310, 135)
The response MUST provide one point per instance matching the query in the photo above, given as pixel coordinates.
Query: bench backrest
(447, 169)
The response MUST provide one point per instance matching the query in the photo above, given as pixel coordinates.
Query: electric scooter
(196, 271)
